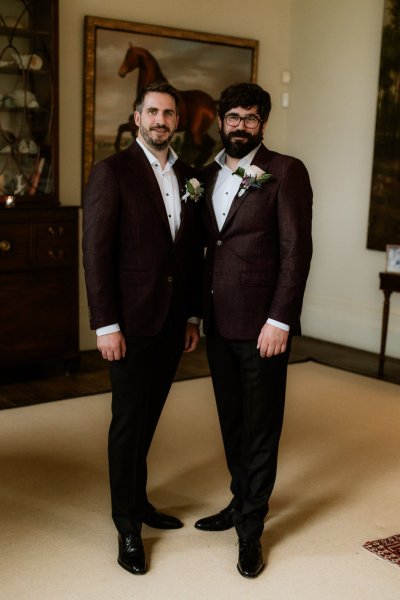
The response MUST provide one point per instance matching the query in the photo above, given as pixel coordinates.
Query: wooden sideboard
(39, 293)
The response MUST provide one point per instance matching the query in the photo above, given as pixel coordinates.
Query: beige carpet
(338, 486)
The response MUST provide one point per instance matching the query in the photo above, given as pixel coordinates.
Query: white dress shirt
(225, 190)
(227, 185)
(168, 184)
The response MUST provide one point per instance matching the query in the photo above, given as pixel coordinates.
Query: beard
(154, 142)
(239, 148)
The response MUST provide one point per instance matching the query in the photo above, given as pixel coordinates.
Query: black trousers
(140, 384)
(250, 397)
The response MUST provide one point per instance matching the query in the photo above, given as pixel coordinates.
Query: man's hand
(272, 341)
(192, 337)
(112, 345)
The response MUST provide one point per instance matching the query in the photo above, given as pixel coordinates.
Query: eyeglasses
(250, 121)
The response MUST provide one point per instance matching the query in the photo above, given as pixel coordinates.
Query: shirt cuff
(278, 324)
(194, 320)
(108, 329)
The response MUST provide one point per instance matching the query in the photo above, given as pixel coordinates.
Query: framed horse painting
(121, 57)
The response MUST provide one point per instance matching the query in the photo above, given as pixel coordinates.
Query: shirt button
(219, 243)
(170, 279)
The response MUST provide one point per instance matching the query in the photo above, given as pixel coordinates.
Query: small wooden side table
(390, 282)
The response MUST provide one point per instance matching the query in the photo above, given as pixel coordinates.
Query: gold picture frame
(191, 61)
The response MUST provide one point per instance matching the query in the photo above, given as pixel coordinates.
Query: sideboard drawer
(56, 244)
(15, 246)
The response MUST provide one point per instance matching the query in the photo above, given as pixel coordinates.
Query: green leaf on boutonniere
(239, 171)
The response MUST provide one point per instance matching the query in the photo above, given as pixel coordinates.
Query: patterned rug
(388, 548)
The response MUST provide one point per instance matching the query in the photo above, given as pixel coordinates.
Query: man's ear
(136, 116)
(264, 126)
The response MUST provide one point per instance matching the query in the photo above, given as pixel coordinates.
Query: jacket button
(219, 243)
(170, 279)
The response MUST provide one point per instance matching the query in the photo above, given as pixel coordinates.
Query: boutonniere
(193, 190)
(252, 177)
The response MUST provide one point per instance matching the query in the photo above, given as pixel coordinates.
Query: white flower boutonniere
(252, 177)
(193, 190)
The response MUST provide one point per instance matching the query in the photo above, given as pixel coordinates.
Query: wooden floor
(37, 384)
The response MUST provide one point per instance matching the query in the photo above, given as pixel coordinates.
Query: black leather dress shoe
(159, 520)
(251, 561)
(131, 553)
(219, 522)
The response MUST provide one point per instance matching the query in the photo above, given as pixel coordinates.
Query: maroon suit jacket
(135, 273)
(256, 267)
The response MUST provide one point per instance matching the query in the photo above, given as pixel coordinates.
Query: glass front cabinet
(29, 102)
(39, 291)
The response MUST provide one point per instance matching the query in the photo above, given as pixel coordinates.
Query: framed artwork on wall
(392, 258)
(384, 210)
(122, 56)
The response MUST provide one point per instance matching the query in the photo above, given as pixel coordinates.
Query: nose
(241, 125)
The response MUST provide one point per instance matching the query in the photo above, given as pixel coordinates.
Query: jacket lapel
(210, 185)
(145, 174)
(236, 203)
(179, 171)
(260, 160)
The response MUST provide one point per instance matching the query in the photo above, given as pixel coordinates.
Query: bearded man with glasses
(257, 217)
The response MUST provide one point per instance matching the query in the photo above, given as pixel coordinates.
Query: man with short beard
(257, 217)
(142, 258)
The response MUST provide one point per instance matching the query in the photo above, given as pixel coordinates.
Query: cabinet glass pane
(28, 100)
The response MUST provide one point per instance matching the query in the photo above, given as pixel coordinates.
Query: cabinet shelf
(24, 109)
(16, 70)
(22, 32)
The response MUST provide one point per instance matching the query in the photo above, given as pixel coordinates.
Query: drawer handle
(57, 255)
(5, 245)
(56, 231)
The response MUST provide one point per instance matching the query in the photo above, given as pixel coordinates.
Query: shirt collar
(171, 158)
(244, 162)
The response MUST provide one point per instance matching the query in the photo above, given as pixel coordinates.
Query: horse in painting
(197, 110)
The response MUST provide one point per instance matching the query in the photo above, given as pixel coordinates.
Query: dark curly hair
(245, 95)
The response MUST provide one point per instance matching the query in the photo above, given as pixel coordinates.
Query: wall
(335, 53)
(332, 50)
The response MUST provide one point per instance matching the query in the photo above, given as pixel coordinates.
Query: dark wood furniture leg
(385, 320)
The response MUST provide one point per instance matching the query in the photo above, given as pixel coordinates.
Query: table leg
(385, 320)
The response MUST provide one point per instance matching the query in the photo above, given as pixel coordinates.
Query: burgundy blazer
(135, 273)
(256, 267)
